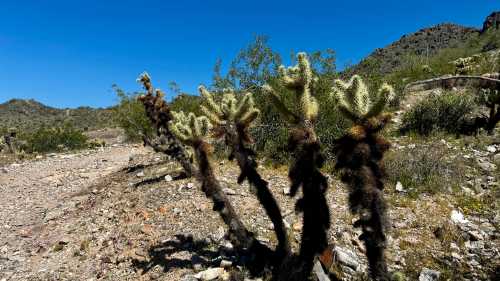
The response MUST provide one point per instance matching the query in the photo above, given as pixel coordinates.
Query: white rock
(140, 174)
(458, 217)
(225, 263)
(399, 187)
(190, 185)
(346, 257)
(286, 190)
(229, 191)
(168, 178)
(428, 275)
(491, 148)
(210, 274)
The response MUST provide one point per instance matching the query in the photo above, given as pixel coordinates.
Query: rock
(229, 191)
(286, 190)
(346, 257)
(168, 178)
(189, 277)
(486, 166)
(491, 148)
(319, 272)
(428, 275)
(457, 217)
(140, 174)
(399, 187)
(476, 235)
(225, 263)
(190, 185)
(210, 274)
(496, 158)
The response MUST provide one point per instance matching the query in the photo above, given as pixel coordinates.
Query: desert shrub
(46, 139)
(424, 169)
(444, 112)
(186, 103)
(130, 115)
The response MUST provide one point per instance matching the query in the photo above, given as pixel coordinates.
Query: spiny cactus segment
(230, 109)
(300, 79)
(189, 128)
(355, 101)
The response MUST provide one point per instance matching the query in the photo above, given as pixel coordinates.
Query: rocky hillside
(425, 42)
(28, 114)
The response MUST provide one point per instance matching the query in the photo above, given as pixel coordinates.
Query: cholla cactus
(491, 99)
(465, 66)
(358, 156)
(230, 112)
(159, 114)
(300, 79)
(305, 169)
(232, 119)
(192, 131)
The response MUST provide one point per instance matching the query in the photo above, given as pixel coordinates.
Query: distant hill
(425, 42)
(28, 114)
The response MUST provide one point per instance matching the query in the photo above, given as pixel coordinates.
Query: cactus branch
(159, 114)
(236, 118)
(305, 169)
(192, 130)
(358, 157)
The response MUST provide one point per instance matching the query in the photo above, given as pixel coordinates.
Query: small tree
(359, 154)
(304, 171)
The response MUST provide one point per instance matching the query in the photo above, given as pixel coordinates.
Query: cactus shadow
(202, 253)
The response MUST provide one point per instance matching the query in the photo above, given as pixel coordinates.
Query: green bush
(130, 115)
(440, 112)
(46, 139)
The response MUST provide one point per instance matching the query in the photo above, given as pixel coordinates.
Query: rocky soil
(116, 214)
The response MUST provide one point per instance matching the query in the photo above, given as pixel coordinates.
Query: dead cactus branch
(159, 114)
(232, 119)
(305, 170)
(358, 157)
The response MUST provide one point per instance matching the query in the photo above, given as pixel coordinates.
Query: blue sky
(69, 53)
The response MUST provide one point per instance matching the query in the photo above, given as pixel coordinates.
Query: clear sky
(69, 53)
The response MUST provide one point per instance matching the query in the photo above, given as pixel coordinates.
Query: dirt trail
(35, 194)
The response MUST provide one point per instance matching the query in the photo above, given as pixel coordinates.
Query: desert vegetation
(271, 172)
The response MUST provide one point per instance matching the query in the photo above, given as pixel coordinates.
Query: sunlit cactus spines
(189, 128)
(242, 111)
(300, 79)
(355, 102)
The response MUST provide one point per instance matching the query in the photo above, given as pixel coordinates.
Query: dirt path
(35, 194)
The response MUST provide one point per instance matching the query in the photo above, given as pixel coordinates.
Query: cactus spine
(305, 169)
(232, 119)
(359, 154)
